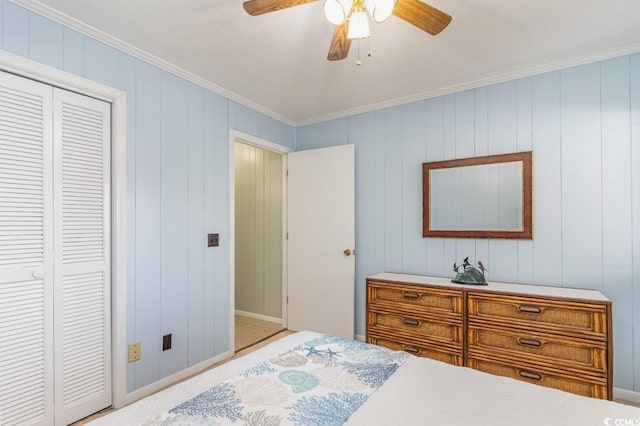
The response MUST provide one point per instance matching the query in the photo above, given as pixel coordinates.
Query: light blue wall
(583, 125)
(177, 191)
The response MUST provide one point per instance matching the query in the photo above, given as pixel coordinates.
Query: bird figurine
(469, 274)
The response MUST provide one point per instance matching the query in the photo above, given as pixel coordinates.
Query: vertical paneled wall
(583, 125)
(258, 231)
(177, 191)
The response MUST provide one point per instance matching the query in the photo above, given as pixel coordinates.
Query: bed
(313, 379)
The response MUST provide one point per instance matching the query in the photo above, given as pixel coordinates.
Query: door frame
(237, 136)
(46, 74)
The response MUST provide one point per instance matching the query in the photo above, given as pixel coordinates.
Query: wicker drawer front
(408, 298)
(577, 354)
(581, 385)
(418, 328)
(438, 354)
(589, 320)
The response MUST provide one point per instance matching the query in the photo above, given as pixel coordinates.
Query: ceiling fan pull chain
(369, 50)
(358, 61)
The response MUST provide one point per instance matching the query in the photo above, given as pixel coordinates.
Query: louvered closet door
(83, 251)
(26, 268)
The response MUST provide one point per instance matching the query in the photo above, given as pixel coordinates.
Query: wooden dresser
(551, 336)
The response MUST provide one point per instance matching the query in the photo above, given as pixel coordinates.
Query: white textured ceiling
(278, 60)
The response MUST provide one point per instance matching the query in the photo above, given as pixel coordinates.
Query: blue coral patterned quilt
(321, 382)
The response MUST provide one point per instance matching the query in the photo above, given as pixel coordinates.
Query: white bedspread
(427, 392)
(420, 392)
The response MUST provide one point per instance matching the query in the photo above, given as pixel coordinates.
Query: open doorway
(259, 245)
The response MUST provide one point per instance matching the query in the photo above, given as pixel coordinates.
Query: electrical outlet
(166, 342)
(134, 352)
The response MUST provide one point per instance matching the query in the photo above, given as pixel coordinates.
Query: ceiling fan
(350, 17)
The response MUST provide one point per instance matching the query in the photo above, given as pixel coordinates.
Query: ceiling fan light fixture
(358, 25)
(350, 17)
(380, 10)
(336, 10)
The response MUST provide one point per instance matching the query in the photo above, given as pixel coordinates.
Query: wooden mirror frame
(527, 177)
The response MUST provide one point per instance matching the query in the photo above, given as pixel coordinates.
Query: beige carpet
(249, 331)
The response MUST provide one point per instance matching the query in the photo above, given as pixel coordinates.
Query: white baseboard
(258, 316)
(360, 338)
(626, 395)
(174, 378)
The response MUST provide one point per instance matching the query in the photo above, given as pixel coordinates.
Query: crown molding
(90, 31)
(500, 78)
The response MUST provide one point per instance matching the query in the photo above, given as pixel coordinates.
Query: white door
(55, 249)
(82, 271)
(321, 235)
(26, 253)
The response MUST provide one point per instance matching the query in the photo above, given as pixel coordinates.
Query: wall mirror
(479, 197)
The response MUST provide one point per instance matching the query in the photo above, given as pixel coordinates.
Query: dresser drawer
(438, 353)
(411, 299)
(578, 354)
(581, 385)
(416, 327)
(560, 316)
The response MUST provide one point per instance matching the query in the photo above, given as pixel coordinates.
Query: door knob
(347, 252)
(37, 273)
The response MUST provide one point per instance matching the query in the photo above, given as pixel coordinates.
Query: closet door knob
(37, 273)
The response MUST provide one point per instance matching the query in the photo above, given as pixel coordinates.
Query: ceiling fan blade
(423, 16)
(340, 44)
(258, 7)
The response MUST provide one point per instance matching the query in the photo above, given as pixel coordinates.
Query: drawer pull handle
(529, 309)
(412, 322)
(410, 295)
(529, 375)
(411, 349)
(529, 342)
